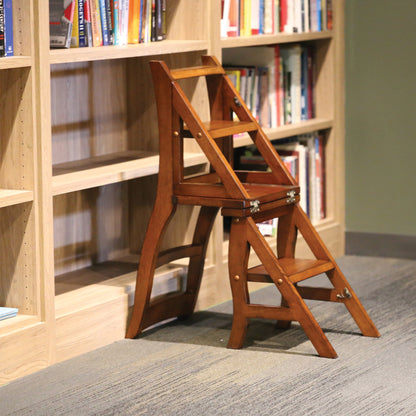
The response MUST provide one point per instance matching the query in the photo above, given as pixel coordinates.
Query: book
(82, 34)
(97, 37)
(2, 49)
(75, 27)
(6, 313)
(104, 22)
(87, 23)
(8, 28)
(134, 21)
(61, 17)
(161, 19)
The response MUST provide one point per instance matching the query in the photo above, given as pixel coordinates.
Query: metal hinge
(292, 197)
(345, 294)
(254, 206)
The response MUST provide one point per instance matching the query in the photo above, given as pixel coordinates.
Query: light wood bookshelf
(79, 149)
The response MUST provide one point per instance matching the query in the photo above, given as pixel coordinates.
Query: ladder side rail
(218, 161)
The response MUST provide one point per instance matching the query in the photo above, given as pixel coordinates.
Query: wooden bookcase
(79, 152)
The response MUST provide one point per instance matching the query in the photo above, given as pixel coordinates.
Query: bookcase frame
(79, 168)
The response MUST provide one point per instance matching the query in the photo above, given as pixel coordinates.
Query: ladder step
(196, 71)
(224, 128)
(296, 269)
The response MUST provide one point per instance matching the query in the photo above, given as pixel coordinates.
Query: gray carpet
(183, 368)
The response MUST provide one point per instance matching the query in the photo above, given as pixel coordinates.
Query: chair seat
(209, 191)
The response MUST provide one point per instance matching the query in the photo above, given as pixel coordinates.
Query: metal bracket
(345, 294)
(291, 195)
(254, 206)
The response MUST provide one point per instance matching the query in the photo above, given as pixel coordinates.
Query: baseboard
(380, 245)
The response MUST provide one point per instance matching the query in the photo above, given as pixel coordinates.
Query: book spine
(104, 24)
(134, 24)
(116, 21)
(2, 48)
(153, 37)
(82, 35)
(8, 28)
(96, 23)
(87, 23)
(109, 22)
(75, 28)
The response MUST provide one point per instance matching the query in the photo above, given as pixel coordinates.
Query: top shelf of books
(261, 22)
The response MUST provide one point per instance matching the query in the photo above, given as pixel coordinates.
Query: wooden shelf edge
(288, 130)
(59, 56)
(15, 62)
(10, 197)
(18, 323)
(140, 164)
(87, 288)
(258, 40)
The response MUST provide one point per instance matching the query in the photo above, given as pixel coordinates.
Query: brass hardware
(236, 277)
(345, 294)
(279, 281)
(254, 206)
(291, 195)
(176, 134)
(199, 135)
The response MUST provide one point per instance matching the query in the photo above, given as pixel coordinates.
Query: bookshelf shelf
(257, 40)
(10, 197)
(72, 225)
(15, 62)
(59, 56)
(289, 130)
(107, 169)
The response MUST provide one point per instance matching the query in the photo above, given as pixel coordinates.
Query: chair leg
(201, 236)
(162, 214)
(289, 292)
(239, 251)
(336, 277)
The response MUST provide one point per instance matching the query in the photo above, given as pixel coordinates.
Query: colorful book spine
(2, 48)
(116, 21)
(82, 34)
(87, 23)
(75, 28)
(134, 21)
(97, 37)
(8, 28)
(104, 23)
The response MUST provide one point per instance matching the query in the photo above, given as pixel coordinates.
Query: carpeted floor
(183, 368)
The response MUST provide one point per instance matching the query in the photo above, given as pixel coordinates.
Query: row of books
(88, 23)
(304, 157)
(6, 28)
(258, 17)
(276, 82)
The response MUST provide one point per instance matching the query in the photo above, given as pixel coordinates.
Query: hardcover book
(61, 17)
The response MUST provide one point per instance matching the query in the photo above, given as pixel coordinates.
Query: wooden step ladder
(248, 198)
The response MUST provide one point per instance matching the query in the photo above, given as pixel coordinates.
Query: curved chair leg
(203, 228)
(239, 251)
(159, 220)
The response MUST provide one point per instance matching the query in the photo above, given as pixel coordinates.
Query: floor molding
(380, 245)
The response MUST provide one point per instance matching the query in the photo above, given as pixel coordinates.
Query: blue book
(319, 14)
(104, 23)
(82, 40)
(6, 313)
(8, 28)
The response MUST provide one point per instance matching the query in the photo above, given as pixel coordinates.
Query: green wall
(380, 41)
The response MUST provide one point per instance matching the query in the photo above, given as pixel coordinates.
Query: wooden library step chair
(246, 197)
